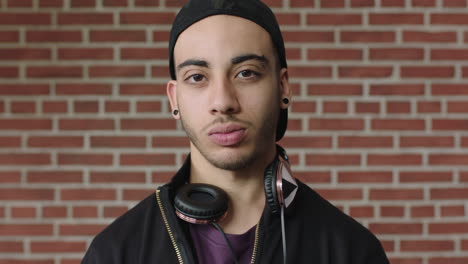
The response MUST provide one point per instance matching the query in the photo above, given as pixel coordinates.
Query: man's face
(228, 90)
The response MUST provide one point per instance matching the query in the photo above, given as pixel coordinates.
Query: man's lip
(225, 129)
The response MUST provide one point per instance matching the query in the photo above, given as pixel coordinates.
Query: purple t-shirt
(212, 248)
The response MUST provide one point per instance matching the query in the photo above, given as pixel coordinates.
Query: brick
(26, 230)
(448, 228)
(449, 124)
(142, 89)
(80, 229)
(82, 3)
(144, 54)
(449, 193)
(25, 159)
(136, 194)
(425, 176)
(304, 107)
(396, 54)
(367, 36)
(288, 19)
(429, 36)
(422, 211)
(55, 176)
(54, 212)
(36, 18)
(365, 176)
(362, 3)
(313, 176)
(85, 18)
(115, 3)
(10, 142)
(55, 141)
(9, 72)
(57, 246)
(302, 3)
(454, 210)
(449, 19)
(367, 107)
(429, 107)
(396, 194)
(451, 260)
(398, 124)
(335, 107)
(23, 212)
(293, 54)
(147, 124)
(463, 176)
(336, 124)
(77, 89)
(85, 212)
(332, 3)
(84, 159)
(10, 177)
(28, 261)
(427, 71)
(54, 71)
(161, 176)
(146, 18)
(148, 106)
(361, 211)
(147, 2)
(25, 124)
(464, 244)
(365, 71)
(8, 36)
(117, 35)
(423, 3)
(308, 36)
(426, 245)
(333, 159)
(147, 159)
(334, 89)
(395, 107)
(87, 194)
(396, 18)
(449, 54)
(341, 194)
(116, 106)
(449, 89)
(160, 36)
(54, 107)
(26, 194)
(25, 54)
(118, 142)
(23, 107)
(11, 247)
(465, 70)
(454, 3)
(457, 107)
(306, 142)
(116, 71)
(85, 53)
(86, 124)
(117, 177)
(334, 54)
(50, 3)
(170, 142)
(392, 211)
(53, 36)
(365, 142)
(396, 228)
(160, 72)
(19, 3)
(114, 211)
(394, 159)
(448, 159)
(334, 19)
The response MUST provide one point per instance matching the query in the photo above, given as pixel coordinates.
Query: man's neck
(245, 189)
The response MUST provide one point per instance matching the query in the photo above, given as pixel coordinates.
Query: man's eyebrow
(246, 57)
(194, 62)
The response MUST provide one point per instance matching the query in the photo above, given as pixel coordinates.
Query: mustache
(226, 119)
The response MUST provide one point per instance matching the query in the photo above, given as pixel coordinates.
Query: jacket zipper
(255, 249)
(168, 228)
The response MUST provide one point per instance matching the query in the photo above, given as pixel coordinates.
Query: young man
(230, 91)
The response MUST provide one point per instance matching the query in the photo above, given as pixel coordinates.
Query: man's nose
(224, 98)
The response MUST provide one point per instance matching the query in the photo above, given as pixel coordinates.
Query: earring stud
(175, 112)
(285, 100)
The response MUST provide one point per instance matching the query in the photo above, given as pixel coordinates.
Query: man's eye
(247, 74)
(196, 78)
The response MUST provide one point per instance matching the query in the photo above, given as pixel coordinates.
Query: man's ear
(285, 88)
(171, 90)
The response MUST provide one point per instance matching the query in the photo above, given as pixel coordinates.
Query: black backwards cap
(253, 10)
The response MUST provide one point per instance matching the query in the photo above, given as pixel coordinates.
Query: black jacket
(316, 232)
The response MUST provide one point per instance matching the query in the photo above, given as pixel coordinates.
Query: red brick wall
(378, 124)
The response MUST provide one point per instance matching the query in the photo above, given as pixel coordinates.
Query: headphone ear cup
(200, 203)
(270, 187)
